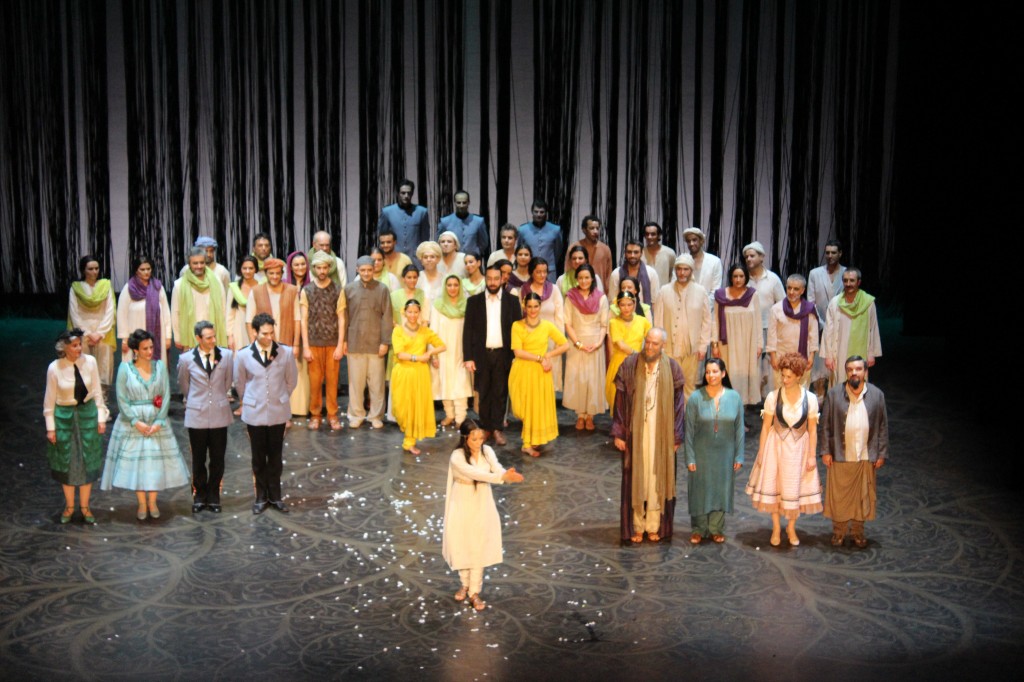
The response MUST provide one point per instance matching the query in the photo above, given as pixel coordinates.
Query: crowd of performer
(674, 347)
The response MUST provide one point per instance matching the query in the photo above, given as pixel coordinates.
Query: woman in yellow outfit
(626, 334)
(415, 345)
(531, 387)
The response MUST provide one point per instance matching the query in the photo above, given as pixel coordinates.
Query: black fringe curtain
(146, 124)
(54, 204)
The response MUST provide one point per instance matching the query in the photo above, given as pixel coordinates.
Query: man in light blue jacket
(265, 376)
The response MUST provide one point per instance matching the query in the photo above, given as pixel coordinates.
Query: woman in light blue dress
(143, 455)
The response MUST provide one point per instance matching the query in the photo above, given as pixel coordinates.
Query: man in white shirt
(823, 284)
(854, 445)
(707, 267)
(656, 254)
(633, 266)
(769, 292)
(682, 311)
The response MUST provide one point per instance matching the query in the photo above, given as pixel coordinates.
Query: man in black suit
(487, 349)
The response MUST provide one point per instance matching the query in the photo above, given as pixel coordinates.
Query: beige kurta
(131, 315)
(835, 343)
(584, 388)
(99, 320)
(472, 528)
(663, 263)
(743, 352)
(685, 316)
(784, 337)
(453, 379)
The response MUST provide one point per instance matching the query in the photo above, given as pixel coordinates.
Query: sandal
(478, 603)
(696, 539)
(580, 423)
(590, 423)
(66, 515)
(637, 539)
(335, 424)
(87, 516)
(461, 594)
(654, 537)
(313, 424)
(718, 538)
(838, 539)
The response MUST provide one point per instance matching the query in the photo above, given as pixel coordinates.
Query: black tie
(206, 362)
(81, 392)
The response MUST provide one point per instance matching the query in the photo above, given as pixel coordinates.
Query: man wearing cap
(682, 310)
(367, 337)
(470, 229)
(769, 292)
(656, 254)
(322, 242)
(707, 267)
(851, 327)
(322, 303)
(197, 295)
(280, 300)
(222, 273)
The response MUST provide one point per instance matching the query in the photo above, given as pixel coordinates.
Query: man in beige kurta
(682, 310)
(784, 327)
(656, 254)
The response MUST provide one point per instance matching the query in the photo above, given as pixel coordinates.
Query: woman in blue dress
(143, 455)
(714, 451)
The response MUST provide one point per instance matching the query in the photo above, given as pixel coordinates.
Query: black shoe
(279, 506)
(214, 507)
(198, 507)
(259, 507)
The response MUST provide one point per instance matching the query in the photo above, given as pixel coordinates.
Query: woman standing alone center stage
(472, 529)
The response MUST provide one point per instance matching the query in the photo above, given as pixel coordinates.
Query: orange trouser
(323, 367)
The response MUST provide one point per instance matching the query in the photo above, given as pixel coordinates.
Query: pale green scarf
(187, 308)
(99, 295)
(859, 322)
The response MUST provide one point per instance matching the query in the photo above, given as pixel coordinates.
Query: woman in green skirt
(76, 418)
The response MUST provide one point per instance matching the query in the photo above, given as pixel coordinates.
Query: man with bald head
(647, 426)
(322, 243)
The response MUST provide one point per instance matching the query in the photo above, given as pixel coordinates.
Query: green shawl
(100, 294)
(445, 306)
(187, 309)
(859, 322)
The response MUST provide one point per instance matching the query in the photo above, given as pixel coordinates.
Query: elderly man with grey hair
(322, 243)
(197, 295)
(769, 292)
(209, 244)
(648, 423)
(367, 337)
(792, 328)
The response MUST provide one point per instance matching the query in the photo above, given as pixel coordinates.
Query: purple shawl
(641, 276)
(587, 306)
(545, 293)
(806, 308)
(151, 294)
(723, 300)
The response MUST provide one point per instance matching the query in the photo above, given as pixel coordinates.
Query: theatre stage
(351, 584)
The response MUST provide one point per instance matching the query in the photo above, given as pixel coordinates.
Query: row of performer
(652, 419)
(750, 322)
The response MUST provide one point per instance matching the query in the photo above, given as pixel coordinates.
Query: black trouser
(492, 384)
(266, 443)
(206, 483)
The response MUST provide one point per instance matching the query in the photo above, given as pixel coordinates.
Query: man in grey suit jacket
(204, 377)
(265, 376)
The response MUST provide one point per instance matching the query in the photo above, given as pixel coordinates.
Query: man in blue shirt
(469, 228)
(409, 223)
(543, 238)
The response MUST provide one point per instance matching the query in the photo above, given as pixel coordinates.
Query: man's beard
(854, 382)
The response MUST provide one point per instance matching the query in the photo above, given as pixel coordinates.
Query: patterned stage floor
(351, 584)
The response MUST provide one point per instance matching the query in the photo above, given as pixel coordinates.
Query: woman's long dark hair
(721, 365)
(468, 427)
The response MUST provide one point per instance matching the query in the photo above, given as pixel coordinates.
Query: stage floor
(351, 584)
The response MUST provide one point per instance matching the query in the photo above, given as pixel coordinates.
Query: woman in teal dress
(714, 451)
(143, 455)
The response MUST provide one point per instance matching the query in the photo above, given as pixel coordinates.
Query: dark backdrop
(132, 127)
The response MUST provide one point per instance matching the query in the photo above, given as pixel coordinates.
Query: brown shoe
(590, 423)
(580, 423)
(718, 538)
(696, 539)
(860, 540)
(499, 438)
(838, 539)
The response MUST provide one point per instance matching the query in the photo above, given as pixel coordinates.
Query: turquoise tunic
(710, 487)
